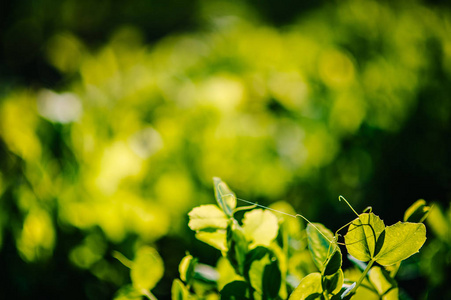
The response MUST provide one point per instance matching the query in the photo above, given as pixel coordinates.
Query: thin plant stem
(367, 269)
(343, 198)
(148, 294)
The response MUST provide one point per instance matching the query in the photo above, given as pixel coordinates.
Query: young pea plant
(260, 254)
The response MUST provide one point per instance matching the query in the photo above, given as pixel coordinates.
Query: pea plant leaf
(147, 269)
(310, 287)
(224, 196)
(260, 227)
(363, 236)
(255, 254)
(237, 246)
(417, 212)
(272, 279)
(402, 240)
(333, 283)
(179, 291)
(235, 290)
(216, 239)
(256, 272)
(207, 217)
(320, 246)
(187, 268)
(385, 286)
(334, 262)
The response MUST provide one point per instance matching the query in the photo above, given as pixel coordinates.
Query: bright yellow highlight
(37, 237)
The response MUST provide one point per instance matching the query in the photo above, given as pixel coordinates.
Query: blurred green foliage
(350, 98)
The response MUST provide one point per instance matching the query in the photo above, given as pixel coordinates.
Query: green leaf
(362, 236)
(440, 223)
(416, 212)
(179, 290)
(401, 241)
(260, 227)
(272, 279)
(253, 255)
(207, 217)
(187, 267)
(256, 273)
(310, 287)
(334, 263)
(224, 196)
(333, 283)
(128, 292)
(235, 290)
(237, 245)
(320, 248)
(216, 239)
(384, 284)
(147, 269)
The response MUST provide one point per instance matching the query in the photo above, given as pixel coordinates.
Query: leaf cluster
(266, 257)
(269, 258)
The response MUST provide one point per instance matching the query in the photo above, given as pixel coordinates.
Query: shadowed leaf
(362, 236)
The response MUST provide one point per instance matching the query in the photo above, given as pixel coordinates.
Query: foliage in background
(115, 157)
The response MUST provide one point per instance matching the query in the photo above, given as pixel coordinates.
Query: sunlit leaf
(416, 212)
(224, 196)
(207, 217)
(320, 247)
(362, 236)
(260, 227)
(147, 268)
(401, 241)
(187, 267)
(179, 290)
(384, 284)
(216, 239)
(309, 288)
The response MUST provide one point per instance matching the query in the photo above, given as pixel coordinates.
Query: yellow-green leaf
(401, 241)
(333, 283)
(224, 196)
(256, 273)
(416, 212)
(362, 236)
(384, 284)
(147, 269)
(319, 246)
(179, 290)
(207, 217)
(187, 268)
(439, 223)
(216, 239)
(309, 288)
(260, 227)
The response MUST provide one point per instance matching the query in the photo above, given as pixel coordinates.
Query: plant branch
(365, 272)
